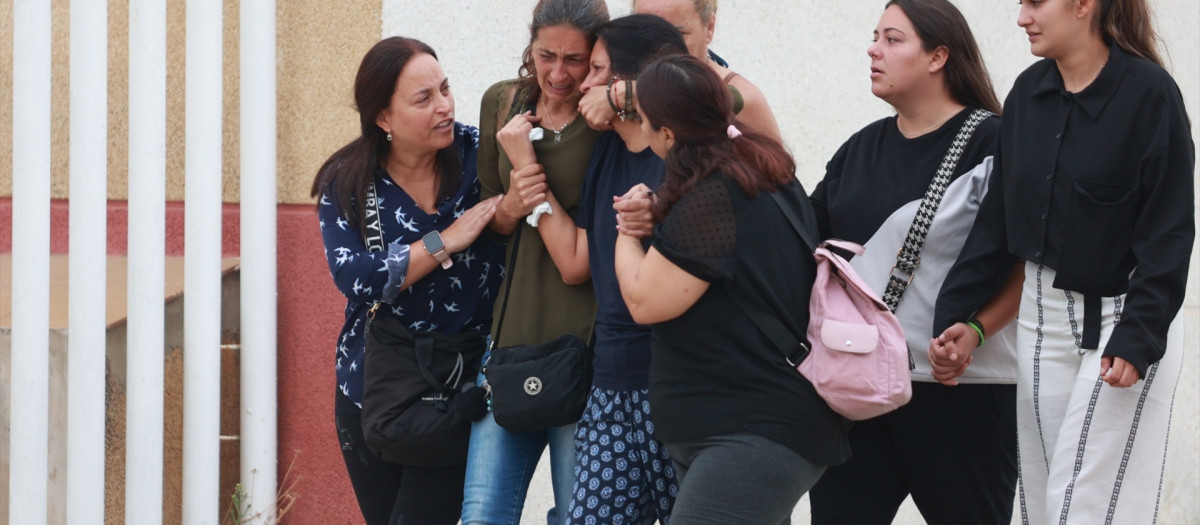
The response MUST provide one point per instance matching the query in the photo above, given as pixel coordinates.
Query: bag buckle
(911, 271)
(892, 275)
(804, 346)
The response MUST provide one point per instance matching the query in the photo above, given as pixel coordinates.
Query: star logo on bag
(533, 386)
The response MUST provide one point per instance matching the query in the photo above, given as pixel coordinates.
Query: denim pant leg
(499, 466)
(562, 469)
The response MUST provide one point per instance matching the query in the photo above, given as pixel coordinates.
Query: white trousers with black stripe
(1089, 453)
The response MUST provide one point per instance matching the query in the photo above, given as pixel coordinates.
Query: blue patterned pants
(623, 475)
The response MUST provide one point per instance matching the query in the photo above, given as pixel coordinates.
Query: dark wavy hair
(347, 173)
(939, 24)
(683, 94)
(636, 40)
(584, 15)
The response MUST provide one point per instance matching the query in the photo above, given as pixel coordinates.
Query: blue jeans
(500, 465)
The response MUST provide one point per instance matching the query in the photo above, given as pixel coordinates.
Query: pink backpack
(859, 361)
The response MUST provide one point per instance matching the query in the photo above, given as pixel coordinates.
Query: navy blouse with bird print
(454, 300)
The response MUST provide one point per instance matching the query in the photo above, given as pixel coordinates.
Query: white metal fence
(28, 500)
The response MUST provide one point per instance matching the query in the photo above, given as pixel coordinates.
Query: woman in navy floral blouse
(435, 273)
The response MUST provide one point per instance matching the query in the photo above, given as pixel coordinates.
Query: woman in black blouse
(1094, 191)
(747, 432)
(953, 447)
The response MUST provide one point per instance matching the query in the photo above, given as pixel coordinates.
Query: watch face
(433, 242)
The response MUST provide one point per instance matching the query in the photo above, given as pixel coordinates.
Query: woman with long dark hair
(623, 470)
(747, 432)
(407, 184)
(953, 447)
(1094, 193)
(543, 303)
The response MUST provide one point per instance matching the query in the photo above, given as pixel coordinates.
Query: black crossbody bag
(416, 404)
(536, 386)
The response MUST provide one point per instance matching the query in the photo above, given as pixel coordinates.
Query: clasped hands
(951, 352)
(635, 217)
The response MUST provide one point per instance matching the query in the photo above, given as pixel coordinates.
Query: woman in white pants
(1093, 189)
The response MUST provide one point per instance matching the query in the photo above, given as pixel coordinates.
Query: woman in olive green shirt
(543, 304)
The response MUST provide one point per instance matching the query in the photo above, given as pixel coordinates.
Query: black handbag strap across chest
(508, 279)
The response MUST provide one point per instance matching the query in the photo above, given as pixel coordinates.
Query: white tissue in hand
(536, 134)
(537, 212)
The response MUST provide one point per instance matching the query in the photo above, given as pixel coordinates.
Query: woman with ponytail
(748, 434)
(407, 186)
(1094, 193)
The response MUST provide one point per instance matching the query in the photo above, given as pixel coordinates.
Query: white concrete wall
(809, 58)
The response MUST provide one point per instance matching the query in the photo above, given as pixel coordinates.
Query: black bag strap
(508, 279)
(909, 256)
(806, 234)
(761, 315)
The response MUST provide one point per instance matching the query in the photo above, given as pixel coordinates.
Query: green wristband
(978, 327)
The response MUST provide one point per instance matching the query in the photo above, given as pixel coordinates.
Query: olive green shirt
(542, 306)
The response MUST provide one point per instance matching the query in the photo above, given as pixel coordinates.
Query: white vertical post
(31, 263)
(146, 270)
(88, 246)
(258, 241)
(202, 265)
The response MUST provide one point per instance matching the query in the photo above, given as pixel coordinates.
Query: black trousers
(392, 494)
(954, 449)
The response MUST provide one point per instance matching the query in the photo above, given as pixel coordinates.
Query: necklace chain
(1098, 70)
(927, 130)
(555, 128)
(1091, 80)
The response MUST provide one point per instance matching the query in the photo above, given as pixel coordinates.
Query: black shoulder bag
(417, 401)
(536, 386)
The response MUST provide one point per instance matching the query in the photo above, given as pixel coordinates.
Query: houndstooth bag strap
(909, 256)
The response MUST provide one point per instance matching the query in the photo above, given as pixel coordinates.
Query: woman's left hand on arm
(467, 227)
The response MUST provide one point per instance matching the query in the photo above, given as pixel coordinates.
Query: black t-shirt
(622, 346)
(878, 171)
(712, 370)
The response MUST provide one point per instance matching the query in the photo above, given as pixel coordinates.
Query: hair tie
(733, 132)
